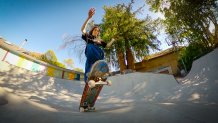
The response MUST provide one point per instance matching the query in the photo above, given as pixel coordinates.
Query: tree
(78, 69)
(190, 20)
(50, 57)
(69, 63)
(133, 36)
(75, 45)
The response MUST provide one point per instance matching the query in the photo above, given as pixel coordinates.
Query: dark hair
(90, 32)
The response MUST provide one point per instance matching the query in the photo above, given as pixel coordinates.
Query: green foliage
(48, 57)
(59, 64)
(120, 23)
(51, 58)
(189, 20)
(36, 55)
(79, 70)
(188, 54)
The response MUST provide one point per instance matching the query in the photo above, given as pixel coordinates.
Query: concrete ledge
(50, 70)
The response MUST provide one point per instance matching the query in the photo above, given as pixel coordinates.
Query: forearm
(83, 29)
(90, 14)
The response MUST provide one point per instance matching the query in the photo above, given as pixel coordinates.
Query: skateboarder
(94, 45)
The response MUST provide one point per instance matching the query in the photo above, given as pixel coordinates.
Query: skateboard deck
(96, 79)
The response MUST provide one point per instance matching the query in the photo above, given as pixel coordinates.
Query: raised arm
(90, 14)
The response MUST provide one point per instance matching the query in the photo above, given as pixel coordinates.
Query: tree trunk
(129, 57)
(216, 36)
(207, 32)
(121, 61)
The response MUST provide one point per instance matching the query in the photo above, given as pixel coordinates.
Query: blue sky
(44, 22)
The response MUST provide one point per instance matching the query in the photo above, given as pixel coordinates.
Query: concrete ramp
(201, 83)
(133, 87)
(139, 87)
(136, 97)
(40, 88)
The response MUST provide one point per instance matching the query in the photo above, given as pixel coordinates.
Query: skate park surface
(135, 97)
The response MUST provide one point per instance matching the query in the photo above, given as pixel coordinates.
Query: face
(95, 32)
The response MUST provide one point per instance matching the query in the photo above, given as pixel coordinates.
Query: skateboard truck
(92, 83)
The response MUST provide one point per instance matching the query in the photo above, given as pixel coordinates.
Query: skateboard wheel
(91, 109)
(91, 83)
(109, 83)
(81, 109)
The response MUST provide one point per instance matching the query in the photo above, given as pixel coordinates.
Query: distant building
(163, 62)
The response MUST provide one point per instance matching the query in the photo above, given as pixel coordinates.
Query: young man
(94, 45)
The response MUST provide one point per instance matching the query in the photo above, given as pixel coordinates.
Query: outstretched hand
(91, 12)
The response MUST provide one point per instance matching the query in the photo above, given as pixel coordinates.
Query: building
(163, 62)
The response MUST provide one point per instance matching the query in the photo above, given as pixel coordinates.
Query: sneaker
(91, 108)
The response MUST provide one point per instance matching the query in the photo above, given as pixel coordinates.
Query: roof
(159, 54)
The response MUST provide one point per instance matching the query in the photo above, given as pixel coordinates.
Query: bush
(194, 51)
(48, 57)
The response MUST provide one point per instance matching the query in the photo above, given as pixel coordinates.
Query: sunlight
(167, 103)
(186, 81)
(17, 100)
(43, 106)
(176, 96)
(124, 109)
(113, 100)
(8, 89)
(194, 96)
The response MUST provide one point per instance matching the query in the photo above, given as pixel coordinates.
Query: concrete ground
(135, 97)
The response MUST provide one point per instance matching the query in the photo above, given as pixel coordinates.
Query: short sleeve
(84, 37)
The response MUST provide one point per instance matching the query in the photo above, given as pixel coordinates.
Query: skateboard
(97, 78)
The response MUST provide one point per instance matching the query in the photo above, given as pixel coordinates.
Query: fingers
(92, 9)
(91, 12)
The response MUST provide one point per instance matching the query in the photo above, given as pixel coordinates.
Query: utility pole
(22, 43)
